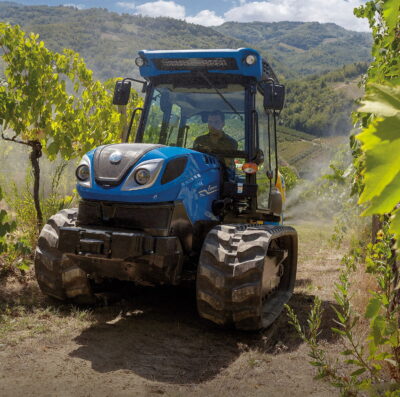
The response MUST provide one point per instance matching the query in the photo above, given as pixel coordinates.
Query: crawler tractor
(160, 209)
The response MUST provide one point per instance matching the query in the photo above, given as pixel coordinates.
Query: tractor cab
(222, 103)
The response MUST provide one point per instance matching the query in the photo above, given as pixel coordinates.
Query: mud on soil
(152, 342)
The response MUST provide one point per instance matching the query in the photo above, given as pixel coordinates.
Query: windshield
(204, 119)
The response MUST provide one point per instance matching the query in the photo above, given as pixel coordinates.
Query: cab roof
(224, 61)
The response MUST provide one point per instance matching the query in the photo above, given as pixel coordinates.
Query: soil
(153, 343)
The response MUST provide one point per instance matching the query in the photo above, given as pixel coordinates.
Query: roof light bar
(196, 63)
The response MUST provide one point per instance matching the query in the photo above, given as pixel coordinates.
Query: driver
(216, 139)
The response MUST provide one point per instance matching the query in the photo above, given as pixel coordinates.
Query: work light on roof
(251, 59)
(139, 61)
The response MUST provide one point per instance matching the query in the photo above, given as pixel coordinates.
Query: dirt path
(155, 344)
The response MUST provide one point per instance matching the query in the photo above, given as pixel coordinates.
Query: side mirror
(259, 157)
(275, 201)
(274, 96)
(121, 92)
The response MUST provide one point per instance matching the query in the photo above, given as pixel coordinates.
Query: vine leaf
(381, 100)
(374, 305)
(381, 145)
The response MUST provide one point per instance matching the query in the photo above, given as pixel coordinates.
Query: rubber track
(57, 276)
(230, 274)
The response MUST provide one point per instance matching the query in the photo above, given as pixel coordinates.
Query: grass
(25, 313)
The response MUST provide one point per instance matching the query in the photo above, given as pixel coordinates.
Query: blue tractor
(193, 196)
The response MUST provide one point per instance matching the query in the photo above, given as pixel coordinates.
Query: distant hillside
(108, 41)
(321, 105)
(304, 47)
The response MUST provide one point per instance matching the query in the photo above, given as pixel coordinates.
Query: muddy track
(153, 343)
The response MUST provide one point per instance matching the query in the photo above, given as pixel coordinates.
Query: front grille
(129, 216)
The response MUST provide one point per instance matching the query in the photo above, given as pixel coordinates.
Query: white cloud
(336, 11)
(77, 6)
(161, 8)
(206, 18)
(126, 5)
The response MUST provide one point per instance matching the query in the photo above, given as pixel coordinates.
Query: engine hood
(113, 162)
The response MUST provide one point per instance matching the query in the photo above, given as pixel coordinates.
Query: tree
(51, 103)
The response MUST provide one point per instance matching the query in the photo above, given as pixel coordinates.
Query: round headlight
(139, 62)
(251, 59)
(83, 172)
(142, 176)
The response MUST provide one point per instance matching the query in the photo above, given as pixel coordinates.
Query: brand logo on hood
(115, 157)
(210, 190)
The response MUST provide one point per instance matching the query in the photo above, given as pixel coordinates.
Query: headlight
(251, 59)
(83, 173)
(142, 176)
(139, 61)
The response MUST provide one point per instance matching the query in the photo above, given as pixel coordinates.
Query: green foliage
(53, 98)
(289, 176)
(318, 355)
(51, 101)
(6, 227)
(20, 199)
(316, 109)
(381, 145)
(364, 361)
(14, 251)
(377, 161)
(382, 313)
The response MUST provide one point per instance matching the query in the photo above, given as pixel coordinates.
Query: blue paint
(150, 69)
(197, 187)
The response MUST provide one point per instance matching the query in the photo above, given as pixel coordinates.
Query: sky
(212, 12)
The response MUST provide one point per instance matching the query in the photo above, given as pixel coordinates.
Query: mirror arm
(137, 81)
(131, 79)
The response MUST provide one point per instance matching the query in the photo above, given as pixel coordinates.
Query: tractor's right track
(230, 283)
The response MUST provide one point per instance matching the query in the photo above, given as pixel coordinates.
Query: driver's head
(216, 121)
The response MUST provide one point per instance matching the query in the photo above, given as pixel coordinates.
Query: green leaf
(382, 147)
(373, 307)
(338, 331)
(358, 372)
(395, 225)
(378, 326)
(381, 100)
(354, 362)
(387, 200)
(391, 13)
(347, 352)
(23, 266)
(52, 149)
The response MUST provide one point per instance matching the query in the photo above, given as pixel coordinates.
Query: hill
(108, 41)
(305, 47)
